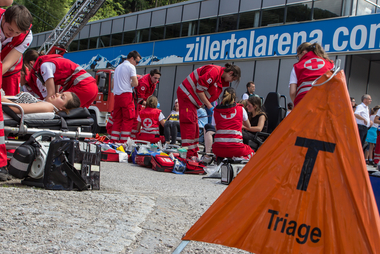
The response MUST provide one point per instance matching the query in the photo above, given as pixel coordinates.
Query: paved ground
(137, 210)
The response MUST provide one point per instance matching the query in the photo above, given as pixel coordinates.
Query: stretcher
(77, 124)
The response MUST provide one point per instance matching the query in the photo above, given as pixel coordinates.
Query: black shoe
(370, 162)
(4, 174)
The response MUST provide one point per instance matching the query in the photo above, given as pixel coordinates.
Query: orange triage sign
(306, 190)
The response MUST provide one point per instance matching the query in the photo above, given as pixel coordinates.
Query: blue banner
(348, 34)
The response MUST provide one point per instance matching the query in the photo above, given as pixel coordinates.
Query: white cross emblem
(147, 122)
(314, 64)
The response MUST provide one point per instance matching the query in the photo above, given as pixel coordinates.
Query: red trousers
(229, 150)
(123, 117)
(188, 121)
(135, 122)
(86, 91)
(11, 83)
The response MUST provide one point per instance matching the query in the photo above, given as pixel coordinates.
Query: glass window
(207, 26)
(298, 12)
(83, 44)
(365, 8)
(324, 9)
(189, 28)
(272, 16)
(173, 31)
(104, 41)
(157, 33)
(117, 39)
(142, 35)
(249, 19)
(227, 23)
(73, 46)
(93, 43)
(129, 37)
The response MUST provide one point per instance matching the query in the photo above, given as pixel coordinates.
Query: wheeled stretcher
(76, 124)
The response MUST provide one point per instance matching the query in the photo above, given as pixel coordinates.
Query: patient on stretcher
(55, 103)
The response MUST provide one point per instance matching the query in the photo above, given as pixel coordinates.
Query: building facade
(260, 36)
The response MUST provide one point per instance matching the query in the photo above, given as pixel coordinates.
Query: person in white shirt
(124, 112)
(362, 117)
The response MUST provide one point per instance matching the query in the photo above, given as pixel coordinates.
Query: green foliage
(48, 13)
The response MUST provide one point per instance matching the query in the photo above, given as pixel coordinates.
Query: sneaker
(4, 174)
(207, 159)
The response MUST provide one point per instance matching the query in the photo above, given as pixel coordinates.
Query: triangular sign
(306, 190)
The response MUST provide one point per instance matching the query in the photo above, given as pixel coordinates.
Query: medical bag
(162, 163)
(229, 171)
(29, 158)
(72, 164)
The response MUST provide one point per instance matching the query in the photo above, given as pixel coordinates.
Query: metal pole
(180, 247)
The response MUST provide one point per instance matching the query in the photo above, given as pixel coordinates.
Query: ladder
(75, 19)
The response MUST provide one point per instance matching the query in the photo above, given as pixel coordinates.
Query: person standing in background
(362, 117)
(124, 113)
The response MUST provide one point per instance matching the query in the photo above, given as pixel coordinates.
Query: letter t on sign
(314, 146)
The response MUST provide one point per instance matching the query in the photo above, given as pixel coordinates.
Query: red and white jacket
(229, 122)
(207, 79)
(145, 88)
(67, 73)
(16, 41)
(150, 121)
(308, 69)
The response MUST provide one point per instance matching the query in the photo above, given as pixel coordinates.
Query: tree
(46, 14)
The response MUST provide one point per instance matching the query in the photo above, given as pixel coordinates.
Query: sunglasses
(137, 62)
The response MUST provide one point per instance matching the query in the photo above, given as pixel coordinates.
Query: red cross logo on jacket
(314, 64)
(147, 122)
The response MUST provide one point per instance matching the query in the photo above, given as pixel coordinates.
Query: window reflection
(207, 26)
(117, 39)
(129, 37)
(173, 31)
(227, 23)
(365, 8)
(93, 43)
(189, 28)
(142, 35)
(324, 9)
(104, 41)
(73, 46)
(298, 12)
(273, 16)
(157, 33)
(249, 19)
(83, 44)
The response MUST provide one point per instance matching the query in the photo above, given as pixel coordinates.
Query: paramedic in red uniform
(125, 78)
(313, 63)
(55, 72)
(147, 85)
(201, 87)
(228, 118)
(3, 153)
(149, 121)
(16, 37)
